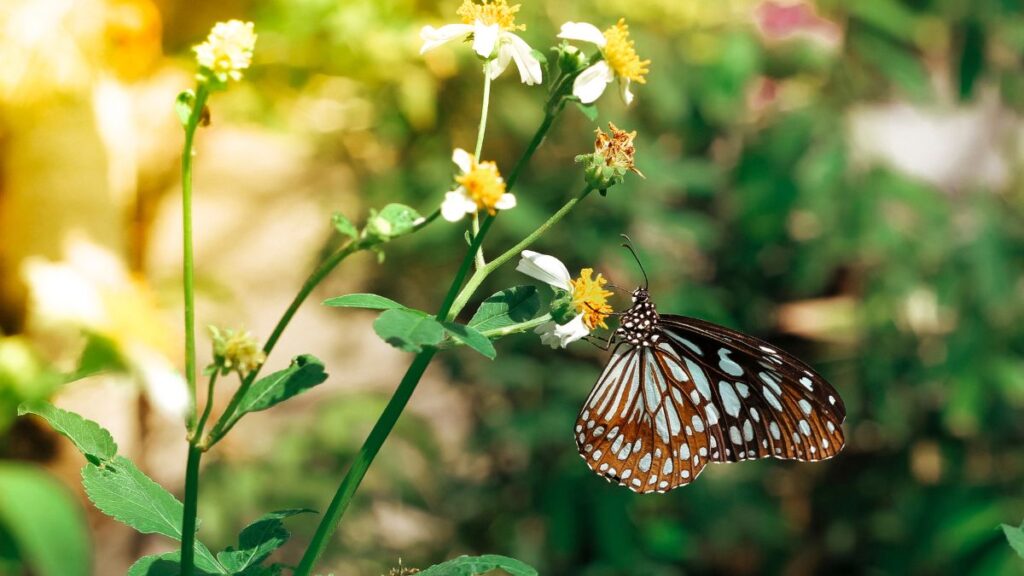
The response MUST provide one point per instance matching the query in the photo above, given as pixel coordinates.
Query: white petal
(462, 159)
(625, 92)
(164, 385)
(434, 37)
(497, 65)
(506, 201)
(582, 31)
(529, 67)
(547, 269)
(456, 205)
(485, 38)
(561, 336)
(590, 84)
(547, 334)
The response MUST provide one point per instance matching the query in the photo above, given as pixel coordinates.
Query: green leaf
(408, 330)
(472, 338)
(91, 439)
(344, 225)
(392, 221)
(100, 355)
(510, 306)
(183, 106)
(304, 372)
(258, 540)
(473, 565)
(371, 301)
(45, 521)
(166, 565)
(589, 110)
(1015, 535)
(120, 490)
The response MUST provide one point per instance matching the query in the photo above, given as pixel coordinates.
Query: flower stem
(516, 328)
(479, 276)
(481, 130)
(188, 523)
(227, 419)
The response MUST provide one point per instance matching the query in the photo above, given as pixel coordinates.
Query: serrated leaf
(45, 522)
(472, 338)
(344, 225)
(371, 301)
(408, 330)
(183, 106)
(304, 372)
(392, 221)
(1015, 536)
(589, 110)
(474, 565)
(510, 306)
(91, 439)
(123, 492)
(258, 540)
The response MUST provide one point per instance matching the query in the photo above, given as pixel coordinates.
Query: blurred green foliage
(746, 210)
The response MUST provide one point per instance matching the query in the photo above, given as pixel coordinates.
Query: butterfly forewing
(769, 403)
(679, 392)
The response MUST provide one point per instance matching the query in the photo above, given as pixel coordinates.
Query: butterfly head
(639, 325)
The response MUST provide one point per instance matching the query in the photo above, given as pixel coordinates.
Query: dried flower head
(236, 350)
(617, 148)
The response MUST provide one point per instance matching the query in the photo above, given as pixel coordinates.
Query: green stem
(209, 407)
(188, 522)
(516, 328)
(227, 420)
(479, 276)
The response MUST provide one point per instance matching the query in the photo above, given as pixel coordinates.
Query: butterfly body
(680, 392)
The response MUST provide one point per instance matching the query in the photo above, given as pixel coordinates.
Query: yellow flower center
(490, 12)
(483, 184)
(591, 299)
(620, 54)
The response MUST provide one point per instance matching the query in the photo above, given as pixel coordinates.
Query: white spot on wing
(805, 406)
(727, 365)
(730, 401)
(698, 424)
(645, 462)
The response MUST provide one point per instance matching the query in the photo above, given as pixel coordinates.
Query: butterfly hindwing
(638, 428)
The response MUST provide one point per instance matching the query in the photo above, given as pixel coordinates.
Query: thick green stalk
(382, 429)
(188, 526)
(481, 274)
(188, 523)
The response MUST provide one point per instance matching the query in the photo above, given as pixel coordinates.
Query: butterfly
(680, 392)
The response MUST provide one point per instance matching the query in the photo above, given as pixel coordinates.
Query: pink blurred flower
(785, 20)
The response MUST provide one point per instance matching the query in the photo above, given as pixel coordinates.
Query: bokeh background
(843, 179)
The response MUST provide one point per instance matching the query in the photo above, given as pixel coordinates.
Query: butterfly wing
(757, 400)
(640, 426)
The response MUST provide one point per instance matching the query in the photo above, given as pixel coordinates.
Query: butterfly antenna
(628, 245)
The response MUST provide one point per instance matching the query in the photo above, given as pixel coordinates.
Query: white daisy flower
(619, 60)
(492, 26)
(589, 298)
(481, 187)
